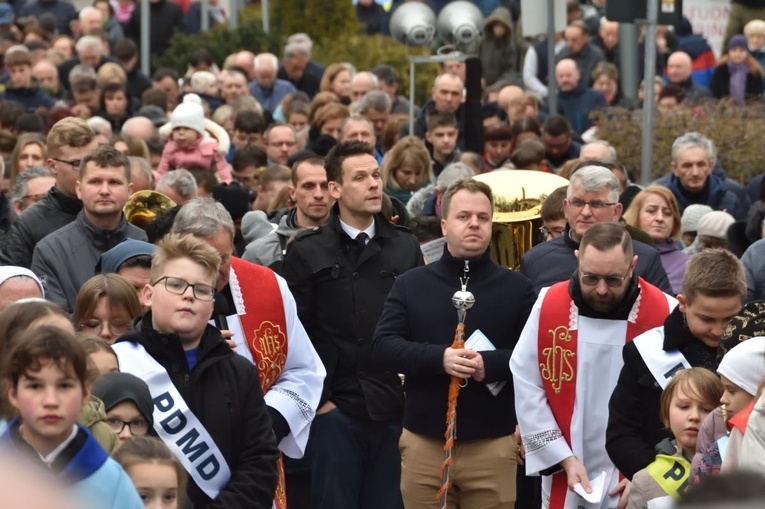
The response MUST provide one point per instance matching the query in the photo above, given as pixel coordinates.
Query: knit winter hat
(114, 388)
(737, 41)
(691, 216)
(715, 224)
(189, 114)
(744, 365)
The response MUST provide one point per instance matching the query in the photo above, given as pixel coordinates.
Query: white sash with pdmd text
(662, 364)
(174, 422)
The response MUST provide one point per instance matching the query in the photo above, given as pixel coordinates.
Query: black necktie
(362, 239)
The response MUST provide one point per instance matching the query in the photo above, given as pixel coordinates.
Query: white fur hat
(744, 364)
(715, 224)
(189, 114)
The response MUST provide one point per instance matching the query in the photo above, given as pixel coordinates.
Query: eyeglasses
(138, 427)
(611, 281)
(594, 204)
(554, 233)
(116, 328)
(178, 286)
(74, 163)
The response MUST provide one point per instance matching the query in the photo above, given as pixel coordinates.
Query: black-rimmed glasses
(74, 163)
(178, 286)
(138, 427)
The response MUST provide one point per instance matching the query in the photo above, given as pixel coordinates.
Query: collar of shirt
(50, 458)
(354, 232)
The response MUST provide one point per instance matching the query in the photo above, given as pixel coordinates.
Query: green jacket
(93, 417)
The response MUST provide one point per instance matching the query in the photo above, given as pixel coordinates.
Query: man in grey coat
(66, 258)
(754, 263)
(308, 191)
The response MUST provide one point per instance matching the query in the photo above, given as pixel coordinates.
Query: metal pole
(552, 89)
(233, 23)
(205, 15)
(648, 108)
(145, 38)
(411, 95)
(266, 20)
(628, 56)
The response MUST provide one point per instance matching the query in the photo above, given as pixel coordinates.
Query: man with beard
(563, 380)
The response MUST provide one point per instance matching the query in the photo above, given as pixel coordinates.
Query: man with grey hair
(91, 19)
(387, 81)
(294, 69)
(31, 186)
(375, 105)
(178, 185)
(427, 201)
(266, 87)
(598, 149)
(261, 313)
(314, 67)
(692, 179)
(361, 83)
(592, 197)
(141, 175)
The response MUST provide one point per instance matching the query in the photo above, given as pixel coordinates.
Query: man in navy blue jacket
(575, 100)
(414, 337)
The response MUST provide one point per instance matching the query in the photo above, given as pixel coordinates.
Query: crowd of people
(236, 286)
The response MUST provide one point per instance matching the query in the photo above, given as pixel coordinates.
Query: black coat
(166, 18)
(417, 325)
(634, 424)
(223, 392)
(719, 84)
(340, 289)
(554, 261)
(54, 211)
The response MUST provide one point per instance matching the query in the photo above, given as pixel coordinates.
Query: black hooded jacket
(223, 392)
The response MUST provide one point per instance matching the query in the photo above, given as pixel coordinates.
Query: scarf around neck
(738, 74)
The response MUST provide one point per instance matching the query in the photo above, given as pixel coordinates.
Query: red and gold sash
(556, 350)
(265, 329)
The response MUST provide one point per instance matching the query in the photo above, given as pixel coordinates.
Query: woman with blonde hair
(105, 306)
(654, 210)
(406, 169)
(337, 79)
(31, 150)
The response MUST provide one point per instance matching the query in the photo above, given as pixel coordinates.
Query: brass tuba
(144, 206)
(518, 197)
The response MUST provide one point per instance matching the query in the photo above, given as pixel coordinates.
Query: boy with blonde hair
(208, 405)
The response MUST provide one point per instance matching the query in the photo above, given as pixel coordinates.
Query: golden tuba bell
(518, 197)
(144, 206)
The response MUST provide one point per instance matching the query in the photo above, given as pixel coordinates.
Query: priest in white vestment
(567, 362)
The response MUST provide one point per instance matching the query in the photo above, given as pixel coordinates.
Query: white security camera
(460, 22)
(413, 23)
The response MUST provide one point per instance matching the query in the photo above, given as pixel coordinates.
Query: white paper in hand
(480, 343)
(597, 484)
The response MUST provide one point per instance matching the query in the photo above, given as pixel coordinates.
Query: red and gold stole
(265, 329)
(557, 347)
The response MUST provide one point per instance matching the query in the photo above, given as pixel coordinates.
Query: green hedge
(735, 131)
(344, 43)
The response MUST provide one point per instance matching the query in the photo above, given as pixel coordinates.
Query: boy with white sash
(714, 287)
(566, 364)
(262, 315)
(208, 404)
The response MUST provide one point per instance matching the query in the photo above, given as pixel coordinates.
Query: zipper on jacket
(186, 380)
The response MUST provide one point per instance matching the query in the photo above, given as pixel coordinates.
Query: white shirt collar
(354, 232)
(50, 458)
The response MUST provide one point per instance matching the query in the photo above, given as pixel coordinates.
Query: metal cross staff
(462, 300)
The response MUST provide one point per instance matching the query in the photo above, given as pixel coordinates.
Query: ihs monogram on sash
(557, 367)
(269, 342)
